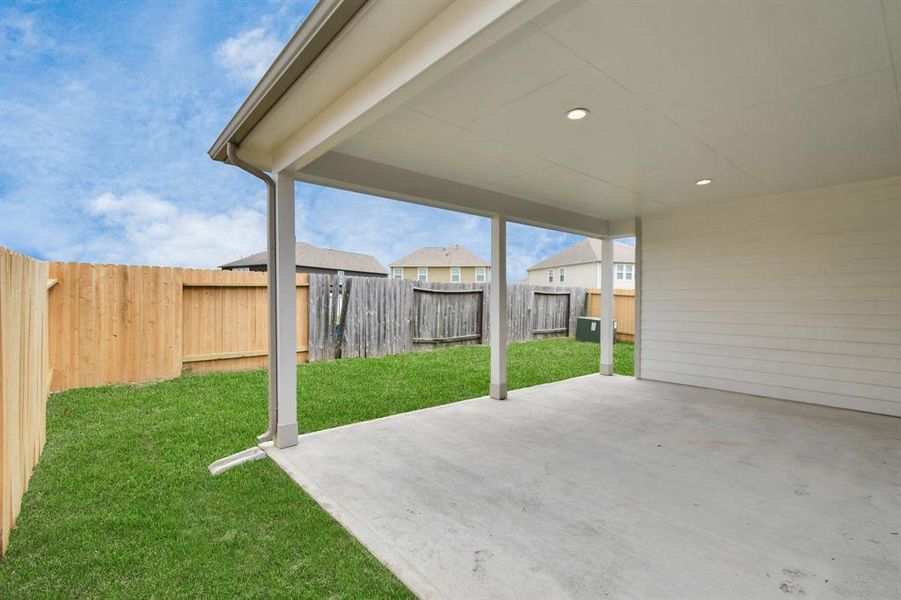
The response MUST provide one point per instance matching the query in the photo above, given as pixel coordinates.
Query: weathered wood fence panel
(388, 316)
(551, 313)
(449, 313)
(623, 311)
(378, 319)
(321, 318)
(24, 378)
(543, 311)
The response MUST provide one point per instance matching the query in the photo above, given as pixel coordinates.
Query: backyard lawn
(122, 505)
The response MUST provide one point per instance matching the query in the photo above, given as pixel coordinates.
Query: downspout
(234, 159)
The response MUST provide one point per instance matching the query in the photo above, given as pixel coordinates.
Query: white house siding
(796, 296)
(581, 275)
(584, 275)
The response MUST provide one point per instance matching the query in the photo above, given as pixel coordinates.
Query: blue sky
(107, 110)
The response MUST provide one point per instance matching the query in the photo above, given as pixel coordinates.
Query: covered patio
(602, 487)
(754, 152)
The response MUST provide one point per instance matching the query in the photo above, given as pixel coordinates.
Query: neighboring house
(453, 264)
(580, 266)
(312, 259)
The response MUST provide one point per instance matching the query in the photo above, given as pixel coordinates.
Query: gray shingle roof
(308, 255)
(436, 256)
(586, 251)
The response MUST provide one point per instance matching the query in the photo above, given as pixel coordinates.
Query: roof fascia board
(321, 26)
(351, 173)
(392, 82)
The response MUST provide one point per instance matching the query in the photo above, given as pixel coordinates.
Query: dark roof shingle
(436, 256)
(586, 251)
(308, 255)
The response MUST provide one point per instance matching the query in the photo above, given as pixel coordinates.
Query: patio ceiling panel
(843, 132)
(698, 60)
(761, 98)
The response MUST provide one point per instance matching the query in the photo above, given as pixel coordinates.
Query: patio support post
(497, 308)
(637, 327)
(607, 306)
(284, 354)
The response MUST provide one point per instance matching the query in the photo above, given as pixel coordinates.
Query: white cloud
(390, 229)
(143, 228)
(248, 55)
(20, 37)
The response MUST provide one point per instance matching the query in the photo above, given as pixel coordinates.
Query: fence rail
(24, 378)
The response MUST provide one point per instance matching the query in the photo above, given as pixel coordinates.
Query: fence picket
(390, 316)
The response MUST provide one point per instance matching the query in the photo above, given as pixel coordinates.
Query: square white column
(284, 354)
(497, 308)
(607, 306)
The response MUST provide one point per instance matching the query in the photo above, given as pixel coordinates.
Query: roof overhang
(460, 104)
(324, 22)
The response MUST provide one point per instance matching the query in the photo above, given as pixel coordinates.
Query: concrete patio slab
(608, 487)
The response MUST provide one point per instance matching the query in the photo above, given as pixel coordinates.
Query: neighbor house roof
(586, 251)
(436, 256)
(308, 255)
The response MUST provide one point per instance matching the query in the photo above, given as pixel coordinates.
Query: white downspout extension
(255, 453)
(236, 160)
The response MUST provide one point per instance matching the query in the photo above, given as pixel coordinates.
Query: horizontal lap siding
(796, 296)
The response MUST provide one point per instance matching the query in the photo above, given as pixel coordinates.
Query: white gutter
(254, 452)
(321, 26)
(234, 159)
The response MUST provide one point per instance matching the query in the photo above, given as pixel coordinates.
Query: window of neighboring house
(562, 274)
(455, 274)
(398, 272)
(423, 274)
(480, 274)
(550, 276)
(625, 272)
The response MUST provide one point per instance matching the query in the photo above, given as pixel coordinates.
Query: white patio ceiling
(760, 97)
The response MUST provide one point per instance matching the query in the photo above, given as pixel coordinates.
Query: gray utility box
(588, 329)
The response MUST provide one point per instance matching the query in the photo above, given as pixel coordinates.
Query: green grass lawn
(122, 504)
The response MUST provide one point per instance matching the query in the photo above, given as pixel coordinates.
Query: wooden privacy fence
(24, 378)
(118, 324)
(389, 316)
(623, 311)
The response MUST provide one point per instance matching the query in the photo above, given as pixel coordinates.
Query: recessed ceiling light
(575, 114)
(703, 181)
